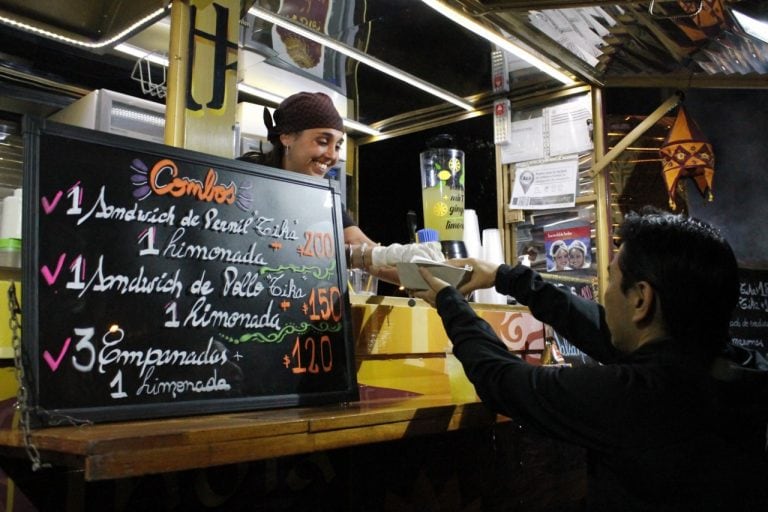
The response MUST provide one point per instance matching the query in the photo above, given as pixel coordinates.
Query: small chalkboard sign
(164, 282)
(749, 323)
(584, 287)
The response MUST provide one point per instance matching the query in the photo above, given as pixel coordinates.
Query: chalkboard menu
(164, 282)
(749, 323)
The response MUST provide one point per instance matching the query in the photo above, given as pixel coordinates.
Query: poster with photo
(545, 185)
(286, 50)
(568, 248)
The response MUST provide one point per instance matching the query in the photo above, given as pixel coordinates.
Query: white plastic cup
(472, 234)
(493, 253)
(10, 223)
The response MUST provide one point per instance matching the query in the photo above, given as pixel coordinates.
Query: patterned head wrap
(302, 111)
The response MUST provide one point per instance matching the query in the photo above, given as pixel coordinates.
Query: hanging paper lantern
(705, 20)
(686, 153)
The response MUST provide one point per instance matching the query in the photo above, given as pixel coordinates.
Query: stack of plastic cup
(10, 231)
(493, 253)
(10, 224)
(472, 234)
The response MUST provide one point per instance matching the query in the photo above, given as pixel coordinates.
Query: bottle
(551, 355)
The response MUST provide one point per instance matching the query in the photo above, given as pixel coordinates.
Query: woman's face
(313, 151)
(561, 259)
(576, 258)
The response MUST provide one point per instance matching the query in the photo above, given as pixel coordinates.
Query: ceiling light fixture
(274, 98)
(360, 127)
(146, 20)
(259, 93)
(752, 26)
(141, 53)
(498, 40)
(360, 57)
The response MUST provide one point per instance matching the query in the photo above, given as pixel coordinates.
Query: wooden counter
(410, 384)
(120, 450)
(418, 433)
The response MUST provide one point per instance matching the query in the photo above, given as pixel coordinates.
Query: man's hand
(483, 274)
(435, 286)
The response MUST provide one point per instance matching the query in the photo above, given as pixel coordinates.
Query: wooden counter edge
(112, 451)
(328, 433)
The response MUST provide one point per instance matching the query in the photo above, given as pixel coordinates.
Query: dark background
(390, 178)
(390, 181)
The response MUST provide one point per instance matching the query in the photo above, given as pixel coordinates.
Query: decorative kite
(703, 19)
(686, 153)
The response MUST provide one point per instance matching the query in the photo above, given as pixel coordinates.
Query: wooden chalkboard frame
(38, 302)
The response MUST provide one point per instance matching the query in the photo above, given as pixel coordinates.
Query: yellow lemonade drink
(442, 180)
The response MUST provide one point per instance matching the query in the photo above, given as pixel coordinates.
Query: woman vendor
(306, 133)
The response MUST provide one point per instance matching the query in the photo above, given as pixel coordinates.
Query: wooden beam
(635, 134)
(689, 81)
(603, 225)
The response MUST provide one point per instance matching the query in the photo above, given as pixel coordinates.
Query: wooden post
(635, 134)
(202, 83)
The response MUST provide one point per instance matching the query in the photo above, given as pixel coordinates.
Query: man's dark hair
(692, 270)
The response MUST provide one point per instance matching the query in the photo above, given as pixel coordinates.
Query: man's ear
(644, 301)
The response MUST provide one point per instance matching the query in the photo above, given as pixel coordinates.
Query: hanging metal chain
(22, 398)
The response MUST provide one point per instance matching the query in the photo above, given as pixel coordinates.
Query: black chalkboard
(749, 323)
(585, 288)
(164, 282)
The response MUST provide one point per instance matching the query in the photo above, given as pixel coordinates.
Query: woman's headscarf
(302, 111)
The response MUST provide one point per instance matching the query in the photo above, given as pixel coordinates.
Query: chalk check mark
(49, 206)
(54, 363)
(51, 277)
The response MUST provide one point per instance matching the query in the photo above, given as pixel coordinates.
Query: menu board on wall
(749, 323)
(163, 282)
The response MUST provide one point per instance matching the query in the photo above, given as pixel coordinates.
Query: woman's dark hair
(691, 268)
(273, 158)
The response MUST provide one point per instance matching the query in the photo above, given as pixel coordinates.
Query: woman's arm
(360, 255)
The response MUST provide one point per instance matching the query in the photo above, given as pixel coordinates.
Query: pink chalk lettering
(51, 278)
(54, 363)
(48, 207)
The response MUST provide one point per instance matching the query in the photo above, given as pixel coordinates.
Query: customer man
(658, 427)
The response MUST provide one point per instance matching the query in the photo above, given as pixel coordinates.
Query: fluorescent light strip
(360, 57)
(75, 42)
(141, 53)
(497, 39)
(274, 98)
(360, 127)
(261, 93)
(751, 26)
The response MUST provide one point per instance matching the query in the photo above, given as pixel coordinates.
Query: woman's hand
(386, 273)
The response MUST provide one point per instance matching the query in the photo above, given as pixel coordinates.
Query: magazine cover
(568, 248)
